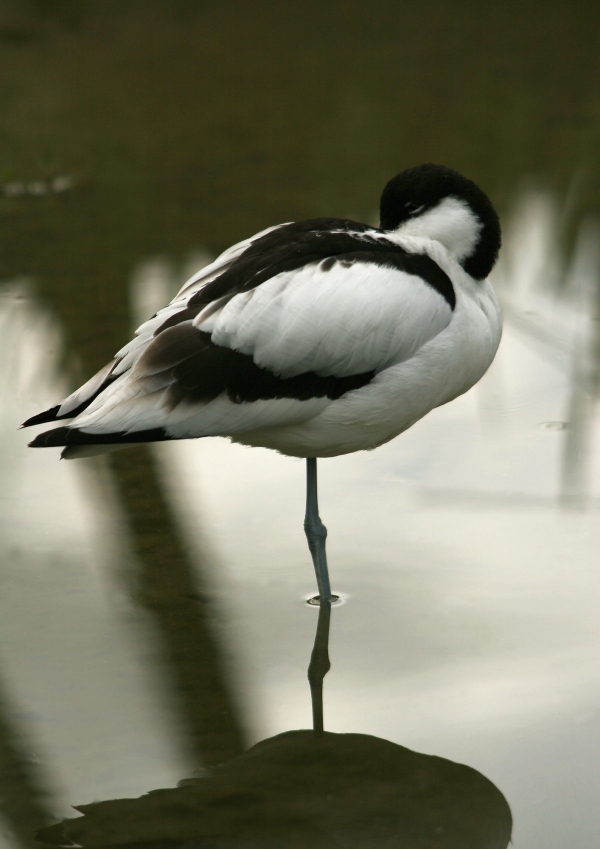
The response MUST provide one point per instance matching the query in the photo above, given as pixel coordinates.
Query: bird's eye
(414, 208)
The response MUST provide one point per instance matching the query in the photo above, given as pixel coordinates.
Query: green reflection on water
(206, 126)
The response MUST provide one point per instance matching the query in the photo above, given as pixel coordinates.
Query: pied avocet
(314, 338)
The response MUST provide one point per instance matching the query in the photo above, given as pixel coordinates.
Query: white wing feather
(344, 321)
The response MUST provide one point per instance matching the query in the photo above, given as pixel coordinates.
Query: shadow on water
(305, 789)
(25, 803)
(173, 594)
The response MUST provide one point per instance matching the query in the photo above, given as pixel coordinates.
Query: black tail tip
(51, 438)
(43, 418)
(72, 436)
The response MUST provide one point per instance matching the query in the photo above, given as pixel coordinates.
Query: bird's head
(439, 203)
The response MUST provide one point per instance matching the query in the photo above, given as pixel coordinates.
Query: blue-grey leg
(316, 532)
(319, 665)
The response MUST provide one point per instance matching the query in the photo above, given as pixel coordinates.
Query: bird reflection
(304, 789)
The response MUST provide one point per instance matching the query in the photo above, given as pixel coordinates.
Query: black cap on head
(416, 190)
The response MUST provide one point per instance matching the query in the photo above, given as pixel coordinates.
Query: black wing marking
(418, 265)
(200, 371)
(295, 245)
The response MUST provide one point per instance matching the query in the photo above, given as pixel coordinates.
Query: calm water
(153, 623)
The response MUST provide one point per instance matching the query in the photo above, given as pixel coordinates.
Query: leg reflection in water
(306, 790)
(319, 664)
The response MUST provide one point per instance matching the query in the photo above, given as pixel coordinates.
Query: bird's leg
(319, 665)
(316, 532)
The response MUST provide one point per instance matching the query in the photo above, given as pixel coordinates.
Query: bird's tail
(79, 400)
(78, 443)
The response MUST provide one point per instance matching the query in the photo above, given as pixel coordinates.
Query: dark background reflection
(201, 122)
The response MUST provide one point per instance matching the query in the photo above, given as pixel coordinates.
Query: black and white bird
(314, 338)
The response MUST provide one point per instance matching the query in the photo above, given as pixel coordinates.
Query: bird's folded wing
(339, 318)
(286, 349)
(285, 344)
(127, 356)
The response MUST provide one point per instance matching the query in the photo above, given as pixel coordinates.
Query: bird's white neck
(451, 222)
